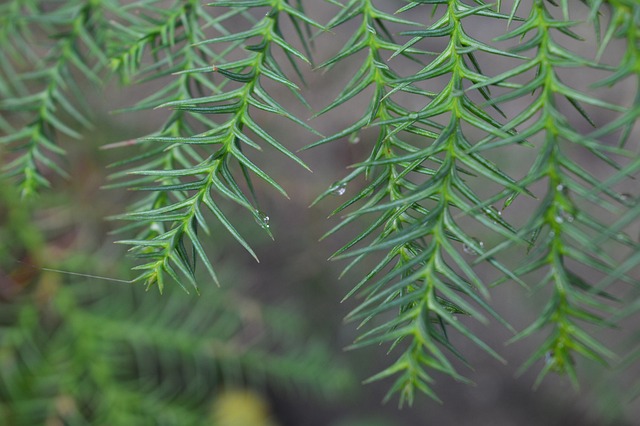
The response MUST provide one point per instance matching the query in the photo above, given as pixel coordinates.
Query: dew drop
(413, 116)
(564, 216)
(558, 363)
(471, 250)
(492, 212)
(354, 138)
(262, 219)
(339, 188)
(563, 189)
(625, 197)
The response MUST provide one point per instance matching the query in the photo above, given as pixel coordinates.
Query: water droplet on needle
(339, 189)
(470, 249)
(262, 219)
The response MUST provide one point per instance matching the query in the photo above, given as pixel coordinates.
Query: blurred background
(267, 346)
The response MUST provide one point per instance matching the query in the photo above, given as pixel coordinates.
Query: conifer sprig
(417, 172)
(172, 36)
(561, 230)
(204, 177)
(50, 111)
(625, 25)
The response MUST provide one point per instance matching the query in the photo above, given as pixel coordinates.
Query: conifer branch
(561, 229)
(202, 177)
(416, 194)
(51, 111)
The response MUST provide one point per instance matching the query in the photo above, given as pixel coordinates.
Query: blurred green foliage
(78, 350)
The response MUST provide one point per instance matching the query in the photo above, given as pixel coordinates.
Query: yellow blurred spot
(241, 408)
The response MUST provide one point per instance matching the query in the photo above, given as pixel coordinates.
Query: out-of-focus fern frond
(96, 354)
